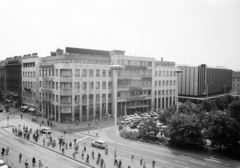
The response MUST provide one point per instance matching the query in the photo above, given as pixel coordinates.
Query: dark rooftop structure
(71, 50)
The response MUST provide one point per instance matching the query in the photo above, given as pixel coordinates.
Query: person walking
(141, 160)
(43, 141)
(115, 161)
(82, 154)
(87, 160)
(119, 163)
(153, 163)
(26, 163)
(7, 150)
(40, 164)
(74, 155)
(85, 147)
(144, 165)
(20, 157)
(132, 158)
(92, 154)
(21, 116)
(33, 162)
(3, 151)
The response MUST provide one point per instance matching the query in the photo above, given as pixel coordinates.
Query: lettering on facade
(46, 66)
(135, 67)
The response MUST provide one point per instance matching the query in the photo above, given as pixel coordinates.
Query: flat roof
(86, 51)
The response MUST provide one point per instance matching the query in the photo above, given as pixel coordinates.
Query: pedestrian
(87, 160)
(21, 116)
(7, 150)
(26, 163)
(85, 147)
(3, 150)
(141, 160)
(129, 166)
(74, 155)
(40, 164)
(63, 150)
(92, 154)
(132, 158)
(119, 163)
(153, 163)
(144, 165)
(102, 162)
(70, 145)
(20, 158)
(33, 161)
(115, 161)
(82, 154)
(43, 141)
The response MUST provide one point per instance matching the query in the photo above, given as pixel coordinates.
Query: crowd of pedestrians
(65, 145)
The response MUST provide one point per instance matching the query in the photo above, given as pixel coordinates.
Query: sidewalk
(70, 127)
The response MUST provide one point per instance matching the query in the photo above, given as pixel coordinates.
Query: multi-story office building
(203, 81)
(30, 87)
(77, 85)
(2, 80)
(236, 82)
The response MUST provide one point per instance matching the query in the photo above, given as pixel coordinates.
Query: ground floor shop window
(66, 117)
(90, 112)
(84, 113)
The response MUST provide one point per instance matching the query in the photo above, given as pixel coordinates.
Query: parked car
(134, 124)
(140, 126)
(46, 130)
(99, 144)
(127, 121)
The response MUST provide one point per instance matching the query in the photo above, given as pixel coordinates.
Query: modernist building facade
(76, 85)
(236, 82)
(2, 80)
(202, 80)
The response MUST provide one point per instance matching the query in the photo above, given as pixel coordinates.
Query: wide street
(164, 157)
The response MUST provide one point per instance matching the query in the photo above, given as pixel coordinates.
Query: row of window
(30, 74)
(29, 84)
(236, 80)
(168, 83)
(162, 92)
(165, 73)
(135, 72)
(139, 83)
(134, 62)
(29, 64)
(68, 72)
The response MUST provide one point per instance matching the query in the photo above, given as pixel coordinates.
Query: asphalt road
(164, 157)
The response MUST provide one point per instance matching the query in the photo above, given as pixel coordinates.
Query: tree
(209, 105)
(222, 129)
(148, 127)
(221, 103)
(166, 115)
(234, 110)
(185, 129)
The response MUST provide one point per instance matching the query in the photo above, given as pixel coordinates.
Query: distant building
(203, 81)
(2, 80)
(236, 82)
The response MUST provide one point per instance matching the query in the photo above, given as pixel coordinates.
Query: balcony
(47, 78)
(66, 92)
(46, 90)
(27, 88)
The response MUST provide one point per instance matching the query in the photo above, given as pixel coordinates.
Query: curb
(57, 152)
(184, 153)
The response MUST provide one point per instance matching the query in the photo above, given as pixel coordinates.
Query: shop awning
(31, 109)
(24, 107)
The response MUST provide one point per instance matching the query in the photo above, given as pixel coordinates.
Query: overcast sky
(187, 32)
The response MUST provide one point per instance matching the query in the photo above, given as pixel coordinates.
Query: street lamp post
(177, 71)
(115, 69)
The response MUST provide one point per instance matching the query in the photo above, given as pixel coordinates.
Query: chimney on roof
(59, 51)
(161, 58)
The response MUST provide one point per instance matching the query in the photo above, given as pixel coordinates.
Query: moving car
(46, 130)
(99, 144)
(127, 121)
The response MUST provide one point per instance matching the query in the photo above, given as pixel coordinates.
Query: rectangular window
(57, 85)
(91, 85)
(159, 83)
(84, 73)
(40, 83)
(56, 98)
(53, 83)
(77, 72)
(103, 85)
(97, 73)
(77, 85)
(77, 98)
(66, 72)
(97, 85)
(155, 73)
(84, 98)
(40, 72)
(97, 97)
(103, 97)
(109, 73)
(155, 83)
(49, 72)
(56, 72)
(159, 73)
(34, 74)
(109, 85)
(109, 95)
(84, 86)
(163, 73)
(90, 72)
(103, 73)
(52, 72)
(66, 85)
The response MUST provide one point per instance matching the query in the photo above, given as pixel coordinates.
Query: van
(99, 144)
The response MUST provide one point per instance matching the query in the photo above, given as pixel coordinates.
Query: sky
(189, 32)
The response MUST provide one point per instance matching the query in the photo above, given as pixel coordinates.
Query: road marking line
(82, 138)
(212, 160)
(198, 162)
(181, 162)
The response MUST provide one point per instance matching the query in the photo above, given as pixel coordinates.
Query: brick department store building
(76, 85)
